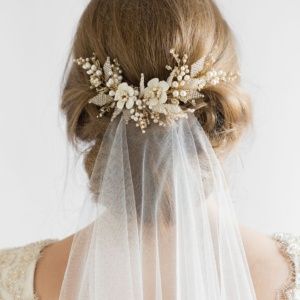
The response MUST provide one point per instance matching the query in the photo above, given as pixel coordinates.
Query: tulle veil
(158, 221)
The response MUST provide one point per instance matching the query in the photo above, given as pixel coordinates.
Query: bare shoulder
(268, 267)
(51, 268)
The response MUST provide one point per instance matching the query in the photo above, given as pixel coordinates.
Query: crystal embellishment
(290, 247)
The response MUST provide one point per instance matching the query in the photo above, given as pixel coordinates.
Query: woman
(158, 222)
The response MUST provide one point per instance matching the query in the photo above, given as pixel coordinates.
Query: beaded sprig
(159, 102)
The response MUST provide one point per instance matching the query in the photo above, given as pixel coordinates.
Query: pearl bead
(209, 74)
(175, 93)
(187, 77)
(86, 66)
(183, 93)
(175, 84)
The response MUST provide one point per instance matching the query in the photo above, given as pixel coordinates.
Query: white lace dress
(17, 268)
(290, 249)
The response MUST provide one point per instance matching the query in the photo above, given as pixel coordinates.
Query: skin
(51, 268)
(268, 267)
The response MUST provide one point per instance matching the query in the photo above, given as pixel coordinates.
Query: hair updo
(140, 34)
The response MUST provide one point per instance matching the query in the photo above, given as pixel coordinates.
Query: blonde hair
(140, 33)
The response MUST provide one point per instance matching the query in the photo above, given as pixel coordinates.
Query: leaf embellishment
(194, 95)
(101, 99)
(198, 66)
(167, 109)
(107, 69)
(142, 84)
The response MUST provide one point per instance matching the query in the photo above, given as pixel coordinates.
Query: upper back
(23, 270)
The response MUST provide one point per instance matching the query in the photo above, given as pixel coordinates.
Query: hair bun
(195, 27)
(225, 115)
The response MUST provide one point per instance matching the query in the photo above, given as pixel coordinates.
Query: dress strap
(17, 267)
(290, 249)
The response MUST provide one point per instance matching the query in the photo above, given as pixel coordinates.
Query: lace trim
(14, 264)
(290, 249)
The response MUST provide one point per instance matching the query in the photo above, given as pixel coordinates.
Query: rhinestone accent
(290, 248)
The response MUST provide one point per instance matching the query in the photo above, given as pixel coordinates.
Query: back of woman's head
(140, 34)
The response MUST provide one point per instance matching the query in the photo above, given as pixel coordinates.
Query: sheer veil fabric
(159, 222)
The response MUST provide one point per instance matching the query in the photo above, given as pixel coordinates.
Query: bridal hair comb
(159, 102)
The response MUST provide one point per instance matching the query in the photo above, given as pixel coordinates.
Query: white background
(35, 40)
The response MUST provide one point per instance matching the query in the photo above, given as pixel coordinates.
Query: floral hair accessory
(160, 101)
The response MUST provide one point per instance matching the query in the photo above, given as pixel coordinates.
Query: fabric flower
(156, 92)
(125, 96)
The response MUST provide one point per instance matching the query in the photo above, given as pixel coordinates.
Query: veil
(158, 223)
